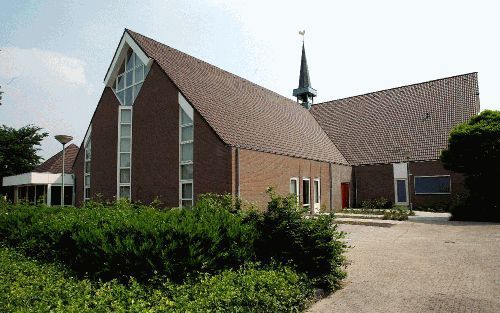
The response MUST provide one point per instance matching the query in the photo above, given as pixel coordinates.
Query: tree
(18, 149)
(474, 150)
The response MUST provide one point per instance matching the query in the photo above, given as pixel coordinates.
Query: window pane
(187, 191)
(293, 187)
(87, 167)
(120, 82)
(125, 130)
(121, 96)
(129, 81)
(139, 74)
(87, 180)
(187, 171)
(316, 191)
(138, 61)
(125, 145)
(130, 60)
(87, 153)
(187, 203)
(440, 184)
(126, 116)
(128, 96)
(125, 192)
(124, 159)
(125, 175)
(401, 190)
(137, 88)
(187, 152)
(185, 119)
(187, 133)
(87, 193)
(305, 192)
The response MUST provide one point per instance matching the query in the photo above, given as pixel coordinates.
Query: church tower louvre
(304, 93)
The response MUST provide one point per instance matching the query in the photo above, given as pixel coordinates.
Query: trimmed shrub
(121, 240)
(398, 213)
(312, 245)
(377, 204)
(31, 286)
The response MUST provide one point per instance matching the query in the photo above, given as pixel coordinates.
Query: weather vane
(302, 33)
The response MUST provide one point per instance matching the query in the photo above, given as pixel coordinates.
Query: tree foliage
(474, 150)
(18, 149)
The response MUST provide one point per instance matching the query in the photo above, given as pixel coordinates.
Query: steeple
(304, 93)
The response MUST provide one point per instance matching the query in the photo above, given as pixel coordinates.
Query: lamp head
(64, 139)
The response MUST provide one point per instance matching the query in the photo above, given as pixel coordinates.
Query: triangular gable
(121, 52)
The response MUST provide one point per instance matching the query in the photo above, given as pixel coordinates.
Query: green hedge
(121, 240)
(31, 286)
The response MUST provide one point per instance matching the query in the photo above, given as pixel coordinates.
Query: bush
(376, 204)
(121, 240)
(32, 286)
(312, 245)
(398, 213)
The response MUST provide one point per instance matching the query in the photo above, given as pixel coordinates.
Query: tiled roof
(386, 126)
(242, 113)
(54, 164)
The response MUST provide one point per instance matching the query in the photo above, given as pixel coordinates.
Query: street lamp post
(64, 139)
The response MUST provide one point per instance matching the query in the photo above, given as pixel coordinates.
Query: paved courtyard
(425, 265)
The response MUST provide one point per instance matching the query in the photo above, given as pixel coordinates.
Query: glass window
(138, 61)
(125, 175)
(137, 88)
(126, 116)
(121, 96)
(316, 191)
(128, 96)
(187, 133)
(186, 203)
(185, 119)
(124, 159)
(293, 187)
(87, 180)
(139, 74)
(130, 60)
(125, 130)
(125, 145)
(187, 152)
(432, 184)
(120, 82)
(87, 167)
(187, 191)
(306, 192)
(186, 171)
(125, 192)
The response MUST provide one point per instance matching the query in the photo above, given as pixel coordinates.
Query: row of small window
(186, 159)
(129, 81)
(306, 190)
(125, 139)
(88, 158)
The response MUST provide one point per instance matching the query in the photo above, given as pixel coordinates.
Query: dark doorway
(344, 188)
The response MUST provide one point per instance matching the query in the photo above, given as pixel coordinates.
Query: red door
(344, 188)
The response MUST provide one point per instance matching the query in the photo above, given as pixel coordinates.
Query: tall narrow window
(186, 139)
(317, 191)
(306, 192)
(294, 187)
(124, 151)
(87, 166)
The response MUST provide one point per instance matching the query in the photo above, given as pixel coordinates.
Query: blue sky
(54, 54)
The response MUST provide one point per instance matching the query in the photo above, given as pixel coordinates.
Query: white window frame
(297, 187)
(185, 107)
(308, 192)
(145, 70)
(430, 193)
(118, 166)
(87, 142)
(317, 202)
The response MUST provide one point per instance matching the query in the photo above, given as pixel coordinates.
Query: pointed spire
(304, 93)
(304, 80)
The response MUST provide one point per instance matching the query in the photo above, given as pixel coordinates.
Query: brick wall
(259, 170)
(373, 181)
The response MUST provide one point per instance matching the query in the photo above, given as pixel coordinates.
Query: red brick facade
(373, 181)
(259, 170)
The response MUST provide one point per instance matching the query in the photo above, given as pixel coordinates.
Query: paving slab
(423, 265)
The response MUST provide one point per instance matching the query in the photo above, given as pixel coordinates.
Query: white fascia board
(35, 178)
(120, 54)
(186, 106)
(87, 135)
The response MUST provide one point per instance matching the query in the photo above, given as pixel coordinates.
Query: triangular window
(130, 77)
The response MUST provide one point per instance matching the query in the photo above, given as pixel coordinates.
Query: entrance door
(401, 189)
(344, 188)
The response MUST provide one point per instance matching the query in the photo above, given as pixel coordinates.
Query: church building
(172, 127)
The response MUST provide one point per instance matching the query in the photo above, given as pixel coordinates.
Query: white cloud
(47, 89)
